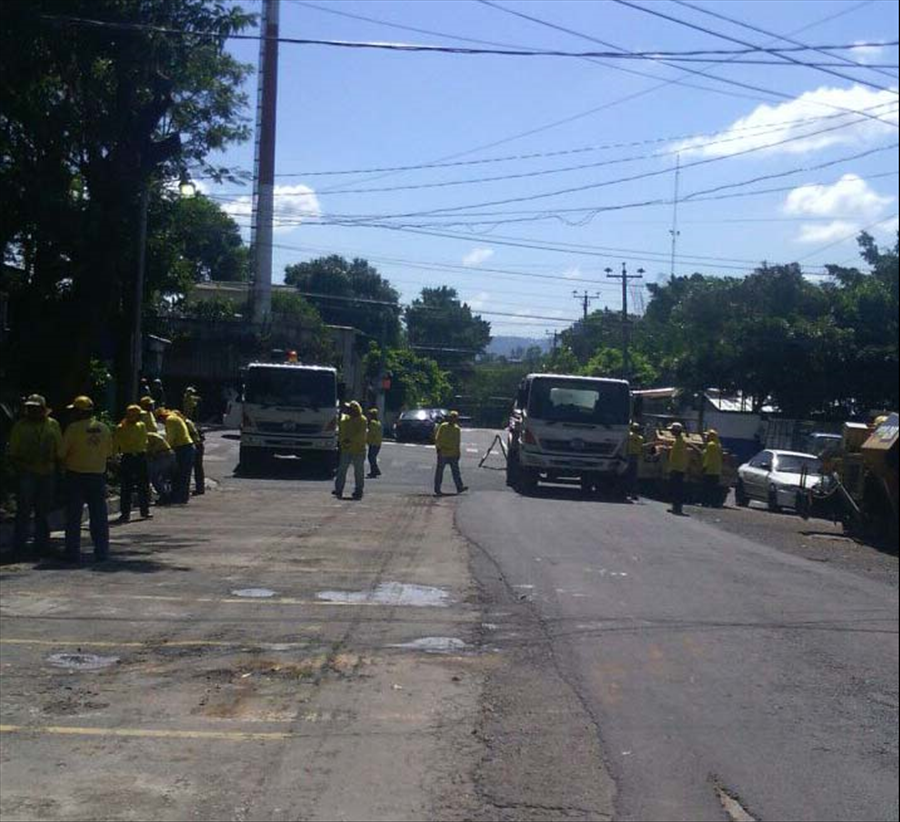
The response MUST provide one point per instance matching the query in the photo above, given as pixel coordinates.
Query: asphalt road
(594, 660)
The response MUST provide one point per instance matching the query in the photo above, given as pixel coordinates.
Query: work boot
(357, 495)
(124, 518)
(146, 515)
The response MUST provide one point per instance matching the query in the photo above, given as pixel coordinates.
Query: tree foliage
(438, 320)
(415, 381)
(376, 311)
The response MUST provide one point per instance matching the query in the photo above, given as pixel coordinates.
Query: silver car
(775, 477)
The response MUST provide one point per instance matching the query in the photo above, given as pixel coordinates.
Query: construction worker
(33, 447)
(447, 444)
(190, 402)
(633, 450)
(678, 464)
(160, 467)
(158, 393)
(353, 431)
(712, 468)
(179, 439)
(130, 438)
(148, 417)
(374, 439)
(86, 446)
(199, 447)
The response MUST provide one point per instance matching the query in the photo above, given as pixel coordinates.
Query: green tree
(415, 380)
(361, 297)
(92, 115)
(439, 321)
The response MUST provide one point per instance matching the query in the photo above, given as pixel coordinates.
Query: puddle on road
(253, 593)
(433, 645)
(392, 593)
(81, 662)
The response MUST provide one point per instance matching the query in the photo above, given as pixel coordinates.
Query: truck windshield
(591, 402)
(294, 387)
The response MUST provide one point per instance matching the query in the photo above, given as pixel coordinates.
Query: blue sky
(342, 109)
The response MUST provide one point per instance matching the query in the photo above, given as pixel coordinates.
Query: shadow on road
(286, 469)
(562, 492)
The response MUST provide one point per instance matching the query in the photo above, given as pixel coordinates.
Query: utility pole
(137, 334)
(626, 330)
(674, 230)
(585, 300)
(264, 164)
(553, 335)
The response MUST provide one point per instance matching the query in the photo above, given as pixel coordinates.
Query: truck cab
(568, 428)
(289, 409)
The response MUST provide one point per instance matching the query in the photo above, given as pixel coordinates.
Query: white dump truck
(568, 428)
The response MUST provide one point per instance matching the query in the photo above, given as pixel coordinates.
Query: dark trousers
(710, 489)
(35, 493)
(442, 463)
(134, 476)
(199, 473)
(676, 490)
(374, 470)
(90, 489)
(631, 476)
(184, 464)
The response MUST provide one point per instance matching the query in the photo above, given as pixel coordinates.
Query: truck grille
(569, 447)
(279, 428)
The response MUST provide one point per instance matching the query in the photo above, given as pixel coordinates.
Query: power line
(821, 49)
(679, 21)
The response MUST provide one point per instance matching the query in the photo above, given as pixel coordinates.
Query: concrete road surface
(269, 652)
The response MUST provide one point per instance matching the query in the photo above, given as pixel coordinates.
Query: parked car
(823, 444)
(418, 424)
(774, 477)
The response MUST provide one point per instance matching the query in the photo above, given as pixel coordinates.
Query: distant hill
(503, 346)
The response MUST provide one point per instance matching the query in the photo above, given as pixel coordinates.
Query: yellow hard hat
(82, 403)
(133, 411)
(147, 403)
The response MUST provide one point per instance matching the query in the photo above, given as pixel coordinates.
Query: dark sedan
(417, 425)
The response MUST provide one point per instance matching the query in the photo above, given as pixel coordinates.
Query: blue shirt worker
(353, 431)
(374, 439)
(33, 447)
(86, 446)
(447, 442)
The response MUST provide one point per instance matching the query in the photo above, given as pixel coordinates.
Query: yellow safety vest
(86, 446)
(447, 440)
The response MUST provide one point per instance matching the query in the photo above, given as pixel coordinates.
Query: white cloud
(866, 54)
(573, 273)
(479, 300)
(827, 232)
(850, 196)
(477, 256)
(768, 124)
(850, 202)
(293, 204)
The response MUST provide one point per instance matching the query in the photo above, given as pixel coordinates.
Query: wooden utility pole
(626, 323)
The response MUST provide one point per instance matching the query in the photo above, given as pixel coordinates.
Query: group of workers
(359, 435)
(711, 458)
(158, 447)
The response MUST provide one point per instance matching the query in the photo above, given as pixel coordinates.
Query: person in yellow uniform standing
(33, 447)
(447, 440)
(130, 438)
(86, 446)
(147, 415)
(678, 464)
(352, 436)
(374, 440)
(179, 439)
(199, 440)
(712, 467)
(633, 450)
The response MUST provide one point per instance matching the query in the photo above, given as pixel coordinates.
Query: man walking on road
(86, 446)
(374, 439)
(678, 463)
(352, 435)
(33, 447)
(447, 443)
(712, 467)
(131, 441)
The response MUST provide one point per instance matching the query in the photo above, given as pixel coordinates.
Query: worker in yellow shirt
(374, 439)
(447, 442)
(179, 439)
(33, 447)
(190, 402)
(160, 467)
(148, 415)
(712, 468)
(678, 465)
(86, 446)
(353, 431)
(633, 451)
(130, 438)
(199, 440)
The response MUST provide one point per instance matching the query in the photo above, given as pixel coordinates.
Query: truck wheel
(528, 481)
(248, 460)
(741, 498)
(512, 469)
